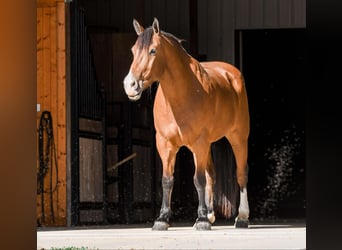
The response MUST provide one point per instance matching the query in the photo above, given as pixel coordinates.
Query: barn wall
(217, 19)
(270, 14)
(51, 95)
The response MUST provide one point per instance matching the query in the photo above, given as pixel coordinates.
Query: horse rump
(226, 187)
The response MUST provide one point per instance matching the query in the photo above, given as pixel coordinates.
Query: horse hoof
(240, 223)
(202, 225)
(160, 226)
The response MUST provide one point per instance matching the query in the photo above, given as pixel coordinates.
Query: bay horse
(195, 105)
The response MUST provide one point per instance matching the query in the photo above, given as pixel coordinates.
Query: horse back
(229, 86)
(231, 76)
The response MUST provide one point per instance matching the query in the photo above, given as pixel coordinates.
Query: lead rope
(45, 159)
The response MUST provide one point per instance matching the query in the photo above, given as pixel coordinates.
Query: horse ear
(138, 28)
(155, 26)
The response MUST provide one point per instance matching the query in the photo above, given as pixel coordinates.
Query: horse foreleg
(162, 222)
(168, 155)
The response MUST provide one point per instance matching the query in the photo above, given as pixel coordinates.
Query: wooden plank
(112, 159)
(53, 67)
(91, 188)
(142, 174)
(46, 105)
(53, 97)
(46, 59)
(39, 56)
(51, 91)
(61, 111)
(90, 125)
(39, 87)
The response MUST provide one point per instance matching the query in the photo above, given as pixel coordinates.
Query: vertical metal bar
(74, 113)
(83, 86)
(104, 160)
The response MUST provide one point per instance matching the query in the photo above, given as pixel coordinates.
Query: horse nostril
(133, 84)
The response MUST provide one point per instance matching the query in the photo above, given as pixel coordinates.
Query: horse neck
(179, 81)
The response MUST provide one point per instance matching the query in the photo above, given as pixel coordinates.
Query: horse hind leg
(209, 189)
(201, 177)
(240, 148)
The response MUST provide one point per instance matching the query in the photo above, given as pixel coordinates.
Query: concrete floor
(258, 236)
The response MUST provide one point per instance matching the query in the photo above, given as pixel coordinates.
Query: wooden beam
(61, 111)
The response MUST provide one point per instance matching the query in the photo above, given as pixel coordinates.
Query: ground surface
(257, 236)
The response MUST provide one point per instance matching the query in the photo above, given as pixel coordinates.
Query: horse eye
(152, 52)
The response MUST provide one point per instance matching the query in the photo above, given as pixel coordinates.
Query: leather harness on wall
(47, 151)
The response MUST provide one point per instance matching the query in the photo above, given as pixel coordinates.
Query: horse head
(147, 60)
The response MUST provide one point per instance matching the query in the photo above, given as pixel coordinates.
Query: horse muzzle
(133, 87)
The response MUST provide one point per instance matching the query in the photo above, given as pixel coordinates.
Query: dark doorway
(272, 62)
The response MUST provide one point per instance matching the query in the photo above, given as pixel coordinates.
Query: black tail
(226, 188)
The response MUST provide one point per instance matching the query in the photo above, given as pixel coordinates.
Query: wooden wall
(51, 95)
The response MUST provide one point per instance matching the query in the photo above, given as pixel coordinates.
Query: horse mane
(145, 38)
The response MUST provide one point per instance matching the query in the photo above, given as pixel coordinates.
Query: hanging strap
(47, 152)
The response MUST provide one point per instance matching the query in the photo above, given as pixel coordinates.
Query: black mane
(144, 39)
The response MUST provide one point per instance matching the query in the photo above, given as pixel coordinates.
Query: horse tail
(226, 187)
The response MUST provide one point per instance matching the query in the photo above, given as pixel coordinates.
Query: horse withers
(195, 105)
